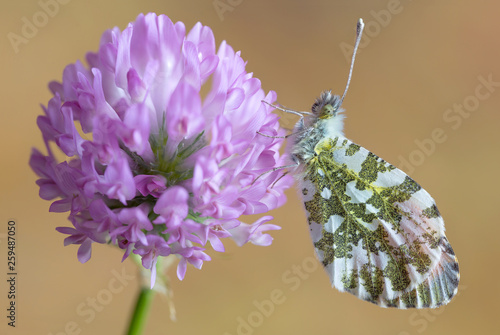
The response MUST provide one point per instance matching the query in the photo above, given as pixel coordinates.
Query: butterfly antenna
(359, 32)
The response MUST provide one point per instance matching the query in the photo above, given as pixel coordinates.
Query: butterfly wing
(378, 233)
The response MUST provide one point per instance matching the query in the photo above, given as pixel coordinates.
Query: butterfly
(377, 232)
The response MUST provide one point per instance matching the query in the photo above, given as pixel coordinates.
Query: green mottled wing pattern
(378, 234)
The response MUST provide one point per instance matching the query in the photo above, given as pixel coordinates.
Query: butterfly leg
(275, 169)
(277, 180)
(286, 110)
(286, 136)
(299, 126)
(300, 122)
(295, 164)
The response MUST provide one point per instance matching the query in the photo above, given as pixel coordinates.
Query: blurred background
(424, 96)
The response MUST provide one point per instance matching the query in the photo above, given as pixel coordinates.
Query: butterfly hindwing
(378, 234)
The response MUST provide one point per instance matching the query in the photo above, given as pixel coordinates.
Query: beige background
(408, 74)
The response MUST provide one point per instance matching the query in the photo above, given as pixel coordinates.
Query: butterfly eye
(327, 111)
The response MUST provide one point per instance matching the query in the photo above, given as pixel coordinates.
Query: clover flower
(153, 165)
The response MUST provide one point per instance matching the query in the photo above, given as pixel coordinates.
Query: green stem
(141, 312)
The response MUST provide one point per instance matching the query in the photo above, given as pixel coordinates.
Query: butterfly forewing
(378, 234)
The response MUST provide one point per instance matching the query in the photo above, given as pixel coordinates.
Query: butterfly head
(326, 106)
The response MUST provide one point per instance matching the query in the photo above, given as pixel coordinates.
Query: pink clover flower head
(153, 165)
